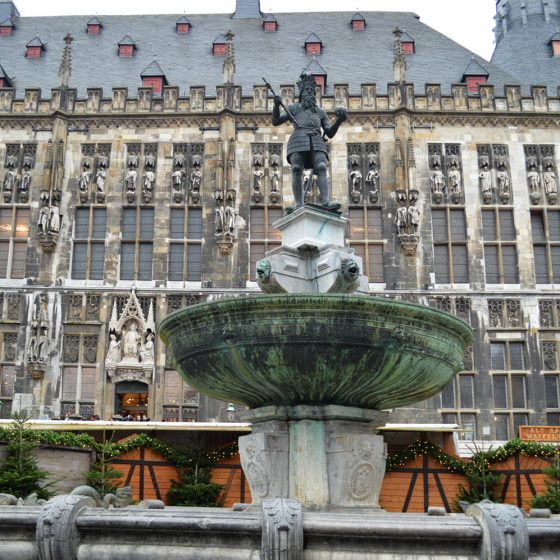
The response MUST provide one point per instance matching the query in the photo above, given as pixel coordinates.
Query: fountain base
(325, 457)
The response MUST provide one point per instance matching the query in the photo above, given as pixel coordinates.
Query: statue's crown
(306, 79)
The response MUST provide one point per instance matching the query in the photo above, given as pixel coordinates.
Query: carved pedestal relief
(18, 165)
(494, 175)
(363, 173)
(38, 343)
(130, 354)
(446, 174)
(542, 178)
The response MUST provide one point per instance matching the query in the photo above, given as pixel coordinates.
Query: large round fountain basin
(349, 350)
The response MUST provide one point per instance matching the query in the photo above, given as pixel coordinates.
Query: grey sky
(469, 23)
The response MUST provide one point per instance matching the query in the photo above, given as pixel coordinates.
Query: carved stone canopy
(130, 355)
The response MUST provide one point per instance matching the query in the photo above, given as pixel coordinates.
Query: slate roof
(7, 23)
(94, 21)
(358, 17)
(269, 17)
(4, 75)
(350, 58)
(182, 19)
(526, 53)
(406, 38)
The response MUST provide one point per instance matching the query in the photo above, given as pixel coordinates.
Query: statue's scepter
(291, 117)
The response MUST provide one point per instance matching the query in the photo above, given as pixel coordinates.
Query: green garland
(177, 457)
(480, 460)
(398, 460)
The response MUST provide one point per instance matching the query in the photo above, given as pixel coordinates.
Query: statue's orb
(316, 349)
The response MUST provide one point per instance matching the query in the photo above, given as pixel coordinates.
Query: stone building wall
(402, 130)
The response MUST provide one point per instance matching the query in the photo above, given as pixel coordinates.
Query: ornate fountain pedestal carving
(326, 457)
(313, 257)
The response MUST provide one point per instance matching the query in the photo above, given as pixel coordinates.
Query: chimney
(247, 9)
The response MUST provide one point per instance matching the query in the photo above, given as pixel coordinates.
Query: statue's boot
(297, 188)
(323, 184)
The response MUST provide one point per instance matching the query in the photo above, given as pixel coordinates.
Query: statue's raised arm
(306, 146)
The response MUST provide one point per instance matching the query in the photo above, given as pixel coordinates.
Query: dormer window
(219, 46)
(6, 27)
(182, 25)
(358, 22)
(270, 23)
(94, 26)
(407, 43)
(555, 42)
(474, 76)
(126, 46)
(319, 73)
(313, 45)
(34, 48)
(154, 77)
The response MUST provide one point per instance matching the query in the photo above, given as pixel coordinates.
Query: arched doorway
(132, 397)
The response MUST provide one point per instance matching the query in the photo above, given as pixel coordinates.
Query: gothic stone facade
(196, 213)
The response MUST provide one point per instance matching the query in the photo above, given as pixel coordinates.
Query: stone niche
(130, 355)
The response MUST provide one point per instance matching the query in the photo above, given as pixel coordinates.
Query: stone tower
(525, 33)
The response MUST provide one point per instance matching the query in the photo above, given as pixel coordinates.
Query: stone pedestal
(326, 457)
(313, 257)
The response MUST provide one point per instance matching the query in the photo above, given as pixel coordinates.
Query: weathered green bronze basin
(316, 349)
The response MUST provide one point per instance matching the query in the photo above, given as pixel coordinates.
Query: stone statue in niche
(149, 177)
(196, 178)
(371, 178)
(147, 353)
(24, 185)
(504, 182)
(310, 122)
(550, 182)
(438, 184)
(454, 180)
(100, 177)
(131, 177)
(131, 347)
(114, 352)
(413, 218)
(274, 178)
(356, 182)
(43, 220)
(178, 177)
(54, 219)
(534, 180)
(38, 345)
(10, 180)
(485, 178)
(401, 219)
(258, 174)
(225, 220)
(85, 179)
(148, 190)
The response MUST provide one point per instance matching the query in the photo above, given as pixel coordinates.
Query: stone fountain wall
(70, 528)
